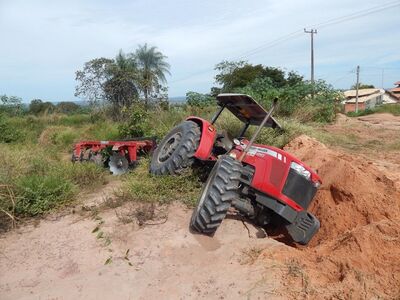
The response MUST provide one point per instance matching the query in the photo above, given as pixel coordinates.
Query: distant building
(367, 99)
(390, 98)
(395, 92)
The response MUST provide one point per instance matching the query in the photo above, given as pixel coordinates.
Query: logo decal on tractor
(259, 151)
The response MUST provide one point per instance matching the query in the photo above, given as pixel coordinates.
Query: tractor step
(303, 228)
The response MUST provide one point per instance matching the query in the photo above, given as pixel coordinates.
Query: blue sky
(44, 42)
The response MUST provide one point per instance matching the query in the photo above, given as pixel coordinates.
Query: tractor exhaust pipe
(253, 138)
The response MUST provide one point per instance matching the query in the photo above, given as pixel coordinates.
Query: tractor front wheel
(176, 151)
(220, 189)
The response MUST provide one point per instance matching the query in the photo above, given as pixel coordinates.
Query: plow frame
(127, 148)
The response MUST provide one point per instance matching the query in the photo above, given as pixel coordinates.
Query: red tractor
(263, 183)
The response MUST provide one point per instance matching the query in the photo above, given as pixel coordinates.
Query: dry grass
(7, 196)
(250, 255)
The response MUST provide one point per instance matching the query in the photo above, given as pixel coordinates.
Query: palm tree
(121, 87)
(152, 69)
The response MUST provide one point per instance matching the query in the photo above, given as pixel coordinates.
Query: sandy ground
(375, 137)
(102, 253)
(62, 259)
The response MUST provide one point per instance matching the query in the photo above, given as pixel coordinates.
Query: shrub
(142, 186)
(297, 98)
(137, 124)
(82, 174)
(64, 138)
(67, 107)
(102, 131)
(74, 120)
(37, 107)
(8, 132)
(199, 100)
(163, 121)
(39, 194)
(59, 136)
(361, 113)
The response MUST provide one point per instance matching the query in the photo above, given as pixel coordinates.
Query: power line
(298, 33)
(327, 23)
(358, 14)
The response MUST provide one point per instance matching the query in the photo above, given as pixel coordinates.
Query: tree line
(135, 77)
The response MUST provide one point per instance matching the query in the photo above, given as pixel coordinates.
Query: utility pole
(312, 32)
(357, 86)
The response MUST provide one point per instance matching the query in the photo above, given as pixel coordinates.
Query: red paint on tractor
(265, 178)
(208, 134)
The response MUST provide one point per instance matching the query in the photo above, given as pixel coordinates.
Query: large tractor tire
(176, 150)
(220, 189)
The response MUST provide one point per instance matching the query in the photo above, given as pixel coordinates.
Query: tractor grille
(299, 189)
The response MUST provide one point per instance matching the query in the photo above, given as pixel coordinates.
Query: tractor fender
(208, 134)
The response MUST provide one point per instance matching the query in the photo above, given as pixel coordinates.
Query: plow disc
(118, 164)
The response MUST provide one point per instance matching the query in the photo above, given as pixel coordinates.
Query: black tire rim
(169, 147)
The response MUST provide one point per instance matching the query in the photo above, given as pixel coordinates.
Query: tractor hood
(246, 109)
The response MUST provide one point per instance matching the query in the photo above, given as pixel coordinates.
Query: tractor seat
(223, 142)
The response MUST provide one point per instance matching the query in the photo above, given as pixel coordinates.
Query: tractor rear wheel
(220, 189)
(176, 150)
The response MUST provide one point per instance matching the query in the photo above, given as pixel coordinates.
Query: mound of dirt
(356, 253)
(353, 192)
(342, 119)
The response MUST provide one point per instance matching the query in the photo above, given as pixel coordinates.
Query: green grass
(32, 161)
(39, 194)
(139, 185)
(393, 109)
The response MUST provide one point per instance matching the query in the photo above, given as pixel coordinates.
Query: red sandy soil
(356, 253)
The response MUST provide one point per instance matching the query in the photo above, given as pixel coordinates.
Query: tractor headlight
(300, 170)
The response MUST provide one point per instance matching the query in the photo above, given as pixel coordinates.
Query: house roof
(396, 96)
(397, 83)
(396, 90)
(361, 93)
(391, 97)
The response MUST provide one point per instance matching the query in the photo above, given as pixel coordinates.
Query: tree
(199, 100)
(152, 67)
(10, 104)
(234, 75)
(224, 77)
(295, 100)
(67, 107)
(362, 86)
(121, 86)
(91, 80)
(38, 107)
(293, 78)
